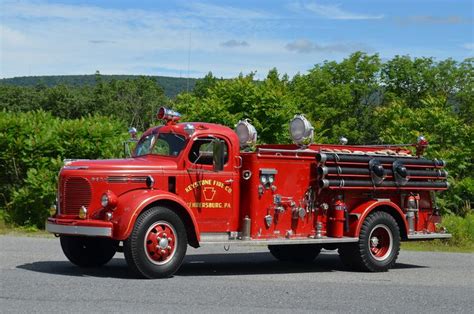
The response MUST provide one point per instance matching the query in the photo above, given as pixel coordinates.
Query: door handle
(228, 182)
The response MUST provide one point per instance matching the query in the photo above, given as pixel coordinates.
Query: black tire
(88, 251)
(157, 245)
(297, 253)
(378, 246)
(347, 253)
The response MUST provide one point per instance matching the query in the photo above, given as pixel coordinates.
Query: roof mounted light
(421, 140)
(189, 128)
(301, 130)
(246, 132)
(168, 115)
(421, 145)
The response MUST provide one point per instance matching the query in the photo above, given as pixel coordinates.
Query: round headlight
(301, 130)
(104, 200)
(246, 132)
(263, 179)
(109, 200)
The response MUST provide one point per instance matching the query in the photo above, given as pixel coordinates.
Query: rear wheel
(299, 253)
(88, 251)
(157, 244)
(378, 246)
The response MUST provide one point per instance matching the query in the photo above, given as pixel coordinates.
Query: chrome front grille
(76, 192)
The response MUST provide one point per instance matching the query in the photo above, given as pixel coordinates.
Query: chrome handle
(240, 162)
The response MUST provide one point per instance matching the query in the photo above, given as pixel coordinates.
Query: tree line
(172, 86)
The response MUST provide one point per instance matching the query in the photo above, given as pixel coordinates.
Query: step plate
(215, 239)
(428, 236)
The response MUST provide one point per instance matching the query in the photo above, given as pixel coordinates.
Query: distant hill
(171, 85)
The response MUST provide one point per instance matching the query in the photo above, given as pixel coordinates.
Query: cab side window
(161, 147)
(202, 151)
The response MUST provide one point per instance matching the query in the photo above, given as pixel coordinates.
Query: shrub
(461, 228)
(32, 147)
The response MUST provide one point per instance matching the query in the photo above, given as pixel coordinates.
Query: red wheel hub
(160, 242)
(380, 242)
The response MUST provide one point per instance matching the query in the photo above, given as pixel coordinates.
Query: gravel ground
(36, 277)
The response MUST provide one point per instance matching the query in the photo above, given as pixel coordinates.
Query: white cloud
(11, 37)
(40, 38)
(468, 46)
(334, 11)
(225, 12)
(434, 20)
(307, 46)
(234, 43)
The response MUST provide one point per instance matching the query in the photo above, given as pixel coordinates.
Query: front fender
(132, 203)
(363, 210)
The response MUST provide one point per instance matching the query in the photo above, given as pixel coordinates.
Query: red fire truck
(200, 183)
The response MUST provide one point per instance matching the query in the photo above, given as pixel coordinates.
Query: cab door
(210, 194)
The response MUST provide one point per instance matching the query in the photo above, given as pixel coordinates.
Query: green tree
(267, 104)
(340, 96)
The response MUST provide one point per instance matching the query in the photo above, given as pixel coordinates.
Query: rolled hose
(341, 183)
(331, 157)
(347, 171)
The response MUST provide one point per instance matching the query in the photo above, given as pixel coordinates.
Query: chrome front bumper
(91, 231)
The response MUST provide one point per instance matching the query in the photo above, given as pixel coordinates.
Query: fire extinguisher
(337, 217)
(412, 203)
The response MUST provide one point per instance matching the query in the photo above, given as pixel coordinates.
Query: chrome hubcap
(374, 241)
(163, 243)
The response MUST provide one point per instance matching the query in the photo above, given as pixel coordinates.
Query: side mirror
(133, 133)
(126, 145)
(218, 157)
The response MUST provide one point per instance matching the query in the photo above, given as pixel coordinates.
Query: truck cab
(194, 183)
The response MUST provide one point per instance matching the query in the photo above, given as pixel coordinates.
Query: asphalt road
(36, 277)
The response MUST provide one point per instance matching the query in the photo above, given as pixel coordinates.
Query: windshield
(165, 144)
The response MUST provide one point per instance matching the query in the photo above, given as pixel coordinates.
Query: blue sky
(40, 37)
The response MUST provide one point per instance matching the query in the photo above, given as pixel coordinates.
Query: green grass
(462, 229)
(22, 231)
(437, 246)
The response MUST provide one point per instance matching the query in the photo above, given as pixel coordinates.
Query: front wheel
(299, 253)
(378, 246)
(157, 244)
(88, 251)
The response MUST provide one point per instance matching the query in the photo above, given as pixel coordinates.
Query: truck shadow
(116, 268)
(260, 263)
(227, 264)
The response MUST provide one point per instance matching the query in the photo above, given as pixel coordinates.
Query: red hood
(138, 163)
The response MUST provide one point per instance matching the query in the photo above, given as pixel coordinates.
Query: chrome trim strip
(428, 236)
(131, 179)
(273, 150)
(205, 239)
(79, 230)
(75, 167)
(268, 171)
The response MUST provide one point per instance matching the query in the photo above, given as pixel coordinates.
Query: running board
(223, 238)
(428, 236)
